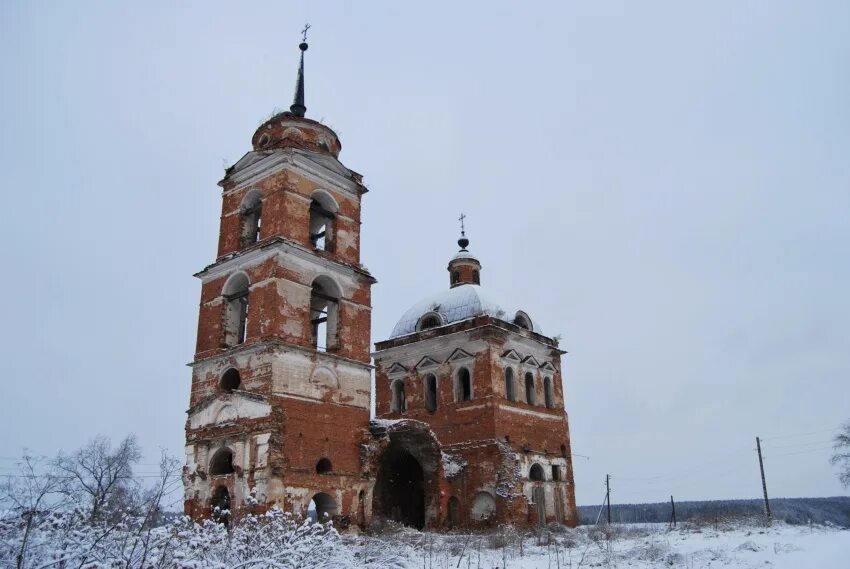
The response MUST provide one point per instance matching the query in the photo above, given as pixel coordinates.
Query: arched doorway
(400, 488)
(220, 504)
(454, 512)
(321, 508)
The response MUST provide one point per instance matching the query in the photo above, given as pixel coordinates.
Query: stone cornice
(261, 345)
(297, 161)
(481, 322)
(268, 248)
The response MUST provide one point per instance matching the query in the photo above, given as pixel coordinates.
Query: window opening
(222, 462)
(323, 466)
(399, 403)
(510, 393)
(251, 223)
(556, 472)
(430, 393)
(323, 318)
(429, 321)
(464, 385)
(547, 392)
(476, 277)
(236, 293)
(230, 380)
(529, 388)
(522, 320)
(321, 226)
(536, 473)
(455, 277)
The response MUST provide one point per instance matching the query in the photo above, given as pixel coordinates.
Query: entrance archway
(220, 505)
(321, 508)
(400, 488)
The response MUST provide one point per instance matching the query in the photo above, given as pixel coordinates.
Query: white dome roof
(464, 254)
(456, 304)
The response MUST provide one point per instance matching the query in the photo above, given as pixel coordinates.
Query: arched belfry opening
(406, 483)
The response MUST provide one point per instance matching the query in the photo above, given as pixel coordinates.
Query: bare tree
(34, 492)
(841, 454)
(101, 477)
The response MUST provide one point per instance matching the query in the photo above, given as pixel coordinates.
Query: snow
(282, 540)
(457, 304)
(635, 546)
(452, 464)
(386, 422)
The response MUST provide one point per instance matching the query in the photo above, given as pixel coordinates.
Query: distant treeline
(791, 510)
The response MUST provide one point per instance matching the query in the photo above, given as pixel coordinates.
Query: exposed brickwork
(499, 440)
(295, 404)
(279, 408)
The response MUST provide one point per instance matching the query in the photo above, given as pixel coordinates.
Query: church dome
(457, 304)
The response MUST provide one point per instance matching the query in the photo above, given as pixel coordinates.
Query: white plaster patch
(242, 408)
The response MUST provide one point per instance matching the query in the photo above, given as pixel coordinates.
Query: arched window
(463, 388)
(230, 380)
(430, 392)
(324, 314)
(323, 466)
(235, 294)
(250, 213)
(323, 211)
(476, 277)
(222, 462)
(547, 392)
(429, 320)
(455, 277)
(522, 320)
(529, 388)
(399, 405)
(536, 473)
(510, 390)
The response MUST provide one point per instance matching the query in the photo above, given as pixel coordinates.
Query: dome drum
(285, 130)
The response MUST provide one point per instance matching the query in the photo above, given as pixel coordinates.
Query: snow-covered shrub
(275, 539)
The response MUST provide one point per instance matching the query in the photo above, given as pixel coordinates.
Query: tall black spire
(297, 108)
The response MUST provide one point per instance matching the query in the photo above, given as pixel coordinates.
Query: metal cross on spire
(298, 107)
(462, 227)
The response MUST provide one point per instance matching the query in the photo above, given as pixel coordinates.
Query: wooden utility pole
(763, 482)
(673, 508)
(608, 495)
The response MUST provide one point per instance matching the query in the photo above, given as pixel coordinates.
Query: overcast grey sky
(665, 185)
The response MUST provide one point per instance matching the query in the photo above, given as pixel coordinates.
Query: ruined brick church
(470, 426)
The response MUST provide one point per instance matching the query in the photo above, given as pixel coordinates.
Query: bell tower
(281, 373)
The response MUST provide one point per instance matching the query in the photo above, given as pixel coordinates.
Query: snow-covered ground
(778, 547)
(283, 541)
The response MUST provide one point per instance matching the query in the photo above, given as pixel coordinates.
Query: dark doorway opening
(220, 505)
(454, 512)
(400, 488)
